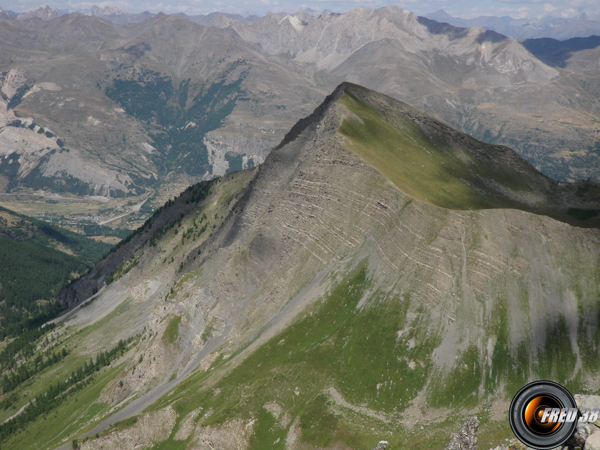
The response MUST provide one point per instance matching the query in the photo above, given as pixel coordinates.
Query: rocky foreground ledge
(587, 436)
(465, 439)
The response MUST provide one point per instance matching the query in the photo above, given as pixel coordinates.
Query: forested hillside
(36, 261)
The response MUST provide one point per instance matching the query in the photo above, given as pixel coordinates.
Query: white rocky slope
(43, 13)
(470, 78)
(26, 146)
(329, 39)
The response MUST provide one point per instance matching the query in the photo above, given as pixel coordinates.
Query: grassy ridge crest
(436, 164)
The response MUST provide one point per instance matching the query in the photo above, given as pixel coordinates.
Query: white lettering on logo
(547, 412)
(563, 415)
(554, 415)
(572, 415)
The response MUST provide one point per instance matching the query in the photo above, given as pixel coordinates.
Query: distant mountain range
(559, 28)
(121, 17)
(583, 25)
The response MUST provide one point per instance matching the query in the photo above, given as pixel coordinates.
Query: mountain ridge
(153, 107)
(548, 27)
(582, 25)
(572, 203)
(547, 194)
(316, 276)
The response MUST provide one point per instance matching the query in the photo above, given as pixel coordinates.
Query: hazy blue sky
(459, 8)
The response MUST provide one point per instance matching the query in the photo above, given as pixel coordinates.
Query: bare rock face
(149, 428)
(579, 439)
(466, 438)
(36, 153)
(13, 82)
(587, 401)
(593, 442)
(43, 12)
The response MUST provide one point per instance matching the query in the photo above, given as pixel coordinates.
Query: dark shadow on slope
(490, 36)
(458, 33)
(557, 53)
(443, 28)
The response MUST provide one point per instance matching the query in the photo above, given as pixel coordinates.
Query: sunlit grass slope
(436, 164)
(355, 351)
(338, 355)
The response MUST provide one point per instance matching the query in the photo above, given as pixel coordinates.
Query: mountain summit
(379, 276)
(437, 164)
(43, 12)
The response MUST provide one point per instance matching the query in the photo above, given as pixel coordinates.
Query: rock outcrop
(466, 438)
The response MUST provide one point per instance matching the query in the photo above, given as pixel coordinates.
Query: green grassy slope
(333, 345)
(37, 260)
(436, 164)
(79, 404)
(360, 353)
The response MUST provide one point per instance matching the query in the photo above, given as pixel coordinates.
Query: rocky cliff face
(34, 155)
(43, 12)
(314, 302)
(466, 438)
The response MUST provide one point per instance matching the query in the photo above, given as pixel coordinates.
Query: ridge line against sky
(467, 9)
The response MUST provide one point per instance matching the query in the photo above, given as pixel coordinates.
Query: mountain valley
(37, 260)
(135, 113)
